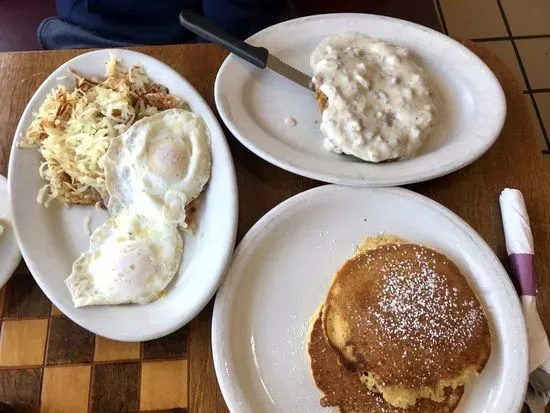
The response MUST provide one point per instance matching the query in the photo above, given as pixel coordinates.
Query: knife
(258, 56)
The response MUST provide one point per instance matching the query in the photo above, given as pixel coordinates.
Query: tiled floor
(519, 32)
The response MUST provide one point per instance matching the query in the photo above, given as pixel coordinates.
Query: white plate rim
(10, 264)
(220, 319)
(334, 178)
(232, 196)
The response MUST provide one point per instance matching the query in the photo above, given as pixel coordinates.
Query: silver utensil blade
(289, 72)
(540, 380)
(538, 392)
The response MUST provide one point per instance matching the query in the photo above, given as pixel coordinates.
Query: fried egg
(131, 259)
(159, 165)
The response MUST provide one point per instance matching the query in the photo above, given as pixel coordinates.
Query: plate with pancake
(337, 299)
(124, 195)
(394, 102)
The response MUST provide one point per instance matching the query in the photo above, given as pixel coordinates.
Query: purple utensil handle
(523, 273)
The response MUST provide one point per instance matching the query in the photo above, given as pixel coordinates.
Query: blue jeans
(56, 33)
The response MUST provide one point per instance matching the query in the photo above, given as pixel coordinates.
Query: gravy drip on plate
(380, 105)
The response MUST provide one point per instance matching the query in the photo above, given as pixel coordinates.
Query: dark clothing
(156, 21)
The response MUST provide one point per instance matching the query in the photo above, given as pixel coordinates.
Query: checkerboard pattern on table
(518, 31)
(48, 364)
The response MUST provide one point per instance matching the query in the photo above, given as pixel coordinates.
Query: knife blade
(540, 380)
(538, 392)
(281, 68)
(258, 56)
(535, 400)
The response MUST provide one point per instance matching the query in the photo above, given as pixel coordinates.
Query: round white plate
(52, 238)
(9, 251)
(254, 103)
(280, 274)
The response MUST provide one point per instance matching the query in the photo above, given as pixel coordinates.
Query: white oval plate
(52, 238)
(280, 274)
(254, 103)
(9, 250)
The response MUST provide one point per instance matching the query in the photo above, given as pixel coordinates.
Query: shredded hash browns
(73, 130)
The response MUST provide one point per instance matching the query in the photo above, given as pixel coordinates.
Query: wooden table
(514, 161)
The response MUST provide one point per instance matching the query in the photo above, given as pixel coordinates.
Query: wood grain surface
(514, 161)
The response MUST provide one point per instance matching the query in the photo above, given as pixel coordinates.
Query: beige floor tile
(107, 350)
(538, 131)
(163, 385)
(505, 51)
(23, 342)
(473, 18)
(65, 389)
(527, 17)
(543, 103)
(535, 55)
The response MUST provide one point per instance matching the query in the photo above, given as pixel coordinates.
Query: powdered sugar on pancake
(422, 309)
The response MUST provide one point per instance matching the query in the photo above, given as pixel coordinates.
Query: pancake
(405, 316)
(342, 387)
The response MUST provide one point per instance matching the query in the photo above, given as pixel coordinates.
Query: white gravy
(380, 105)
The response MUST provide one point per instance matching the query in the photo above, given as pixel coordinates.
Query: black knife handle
(207, 29)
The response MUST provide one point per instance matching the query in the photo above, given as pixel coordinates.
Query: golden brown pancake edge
(402, 363)
(342, 387)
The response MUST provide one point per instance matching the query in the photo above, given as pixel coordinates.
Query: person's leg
(289, 12)
(242, 18)
(54, 33)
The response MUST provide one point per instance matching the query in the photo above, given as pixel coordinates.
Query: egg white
(159, 165)
(131, 259)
